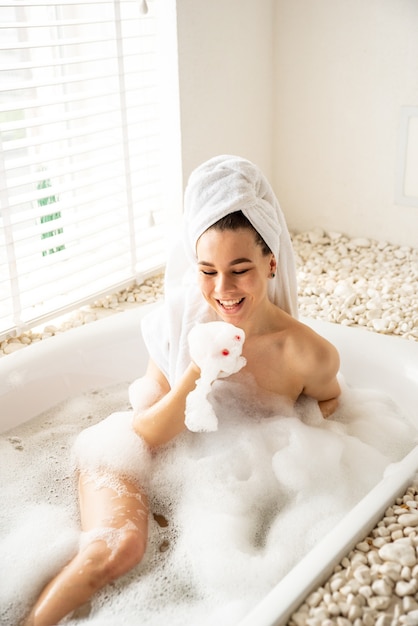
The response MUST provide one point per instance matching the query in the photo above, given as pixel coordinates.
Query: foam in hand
(216, 349)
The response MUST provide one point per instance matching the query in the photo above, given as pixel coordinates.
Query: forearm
(329, 399)
(327, 407)
(162, 421)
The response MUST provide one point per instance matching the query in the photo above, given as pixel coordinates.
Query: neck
(266, 321)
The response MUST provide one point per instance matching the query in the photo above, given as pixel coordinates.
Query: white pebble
(397, 534)
(366, 591)
(378, 542)
(357, 558)
(354, 612)
(300, 618)
(315, 235)
(90, 317)
(409, 604)
(369, 619)
(411, 619)
(336, 583)
(9, 348)
(406, 588)
(399, 551)
(384, 620)
(379, 603)
(342, 621)
(380, 324)
(391, 569)
(345, 590)
(373, 558)
(319, 613)
(314, 621)
(381, 588)
(314, 599)
(358, 242)
(333, 609)
(342, 288)
(408, 519)
(363, 575)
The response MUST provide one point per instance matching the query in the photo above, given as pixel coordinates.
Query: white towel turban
(220, 186)
(226, 184)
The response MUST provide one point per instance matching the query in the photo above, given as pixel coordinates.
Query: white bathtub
(112, 351)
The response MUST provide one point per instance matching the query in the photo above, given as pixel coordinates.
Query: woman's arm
(321, 368)
(162, 421)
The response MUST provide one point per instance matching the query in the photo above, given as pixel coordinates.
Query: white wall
(225, 50)
(345, 70)
(313, 91)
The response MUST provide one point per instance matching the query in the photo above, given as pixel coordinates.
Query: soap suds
(242, 505)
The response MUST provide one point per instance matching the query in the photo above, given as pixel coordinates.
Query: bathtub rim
(112, 336)
(314, 569)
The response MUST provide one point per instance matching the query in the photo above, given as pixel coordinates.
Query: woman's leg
(115, 520)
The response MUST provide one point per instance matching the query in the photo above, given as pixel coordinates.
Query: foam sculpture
(216, 348)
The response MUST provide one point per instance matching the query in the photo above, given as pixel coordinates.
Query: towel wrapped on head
(226, 184)
(220, 186)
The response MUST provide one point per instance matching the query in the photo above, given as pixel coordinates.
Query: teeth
(229, 303)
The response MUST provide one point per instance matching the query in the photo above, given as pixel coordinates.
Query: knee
(128, 552)
(114, 554)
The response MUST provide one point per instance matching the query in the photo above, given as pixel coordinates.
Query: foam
(109, 535)
(243, 504)
(216, 348)
(144, 392)
(113, 446)
(31, 555)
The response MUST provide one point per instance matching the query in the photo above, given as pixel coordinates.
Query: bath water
(231, 511)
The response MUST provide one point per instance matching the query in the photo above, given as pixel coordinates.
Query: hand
(216, 349)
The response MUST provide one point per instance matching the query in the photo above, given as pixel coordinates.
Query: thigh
(109, 501)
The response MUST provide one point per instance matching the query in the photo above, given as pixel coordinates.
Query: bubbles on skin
(230, 510)
(108, 534)
(112, 446)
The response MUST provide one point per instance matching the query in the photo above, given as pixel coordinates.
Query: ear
(273, 264)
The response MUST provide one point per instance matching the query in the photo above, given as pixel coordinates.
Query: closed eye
(210, 272)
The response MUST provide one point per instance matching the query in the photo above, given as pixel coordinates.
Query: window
(89, 151)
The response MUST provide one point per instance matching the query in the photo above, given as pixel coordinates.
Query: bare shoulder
(312, 351)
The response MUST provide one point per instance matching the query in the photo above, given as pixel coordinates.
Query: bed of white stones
(150, 290)
(350, 281)
(358, 281)
(376, 584)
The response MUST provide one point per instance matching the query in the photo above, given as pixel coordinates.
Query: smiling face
(233, 274)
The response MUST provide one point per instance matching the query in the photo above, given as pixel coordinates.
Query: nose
(224, 283)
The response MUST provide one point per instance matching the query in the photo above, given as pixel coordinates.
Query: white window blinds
(88, 124)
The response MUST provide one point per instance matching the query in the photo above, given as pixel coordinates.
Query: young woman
(239, 269)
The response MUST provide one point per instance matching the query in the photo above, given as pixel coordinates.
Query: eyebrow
(234, 262)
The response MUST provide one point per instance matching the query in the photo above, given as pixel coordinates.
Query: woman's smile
(231, 305)
(233, 274)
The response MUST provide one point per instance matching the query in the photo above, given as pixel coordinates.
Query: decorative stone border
(349, 281)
